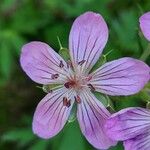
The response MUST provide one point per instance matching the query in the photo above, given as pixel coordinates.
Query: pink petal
(88, 37)
(128, 123)
(140, 142)
(124, 76)
(51, 115)
(40, 62)
(145, 25)
(92, 116)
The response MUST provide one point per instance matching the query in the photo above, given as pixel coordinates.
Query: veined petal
(140, 142)
(88, 37)
(92, 116)
(145, 25)
(128, 123)
(124, 76)
(41, 62)
(51, 115)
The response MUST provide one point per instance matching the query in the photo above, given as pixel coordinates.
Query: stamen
(54, 76)
(91, 87)
(69, 64)
(50, 91)
(77, 99)
(69, 84)
(88, 78)
(81, 62)
(61, 65)
(66, 102)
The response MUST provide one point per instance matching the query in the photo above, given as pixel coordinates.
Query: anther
(77, 99)
(66, 102)
(69, 84)
(81, 62)
(91, 87)
(61, 65)
(54, 76)
(50, 91)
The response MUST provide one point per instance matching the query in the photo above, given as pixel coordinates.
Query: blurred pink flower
(88, 37)
(145, 25)
(131, 125)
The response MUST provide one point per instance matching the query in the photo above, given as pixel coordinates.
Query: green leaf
(119, 146)
(72, 138)
(125, 31)
(99, 63)
(59, 29)
(105, 100)
(39, 145)
(17, 42)
(22, 136)
(5, 60)
(122, 102)
(145, 93)
(101, 98)
(7, 4)
(102, 60)
(72, 116)
(28, 19)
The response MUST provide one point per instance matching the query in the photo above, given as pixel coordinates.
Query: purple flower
(131, 125)
(145, 25)
(43, 65)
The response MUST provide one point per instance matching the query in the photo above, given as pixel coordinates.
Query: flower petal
(40, 62)
(128, 123)
(92, 116)
(140, 142)
(51, 115)
(88, 37)
(145, 25)
(124, 76)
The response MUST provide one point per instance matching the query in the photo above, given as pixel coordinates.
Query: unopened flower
(145, 25)
(131, 125)
(43, 65)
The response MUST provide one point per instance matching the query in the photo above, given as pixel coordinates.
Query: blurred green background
(22, 21)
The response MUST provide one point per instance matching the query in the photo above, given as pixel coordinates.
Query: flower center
(75, 83)
(74, 80)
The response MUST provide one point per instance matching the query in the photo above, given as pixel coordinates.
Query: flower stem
(146, 53)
